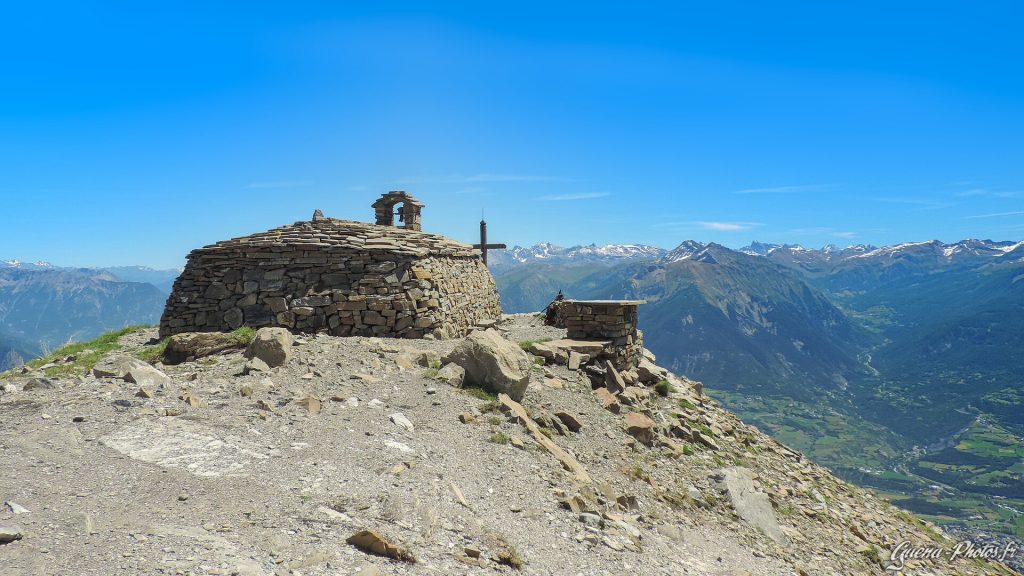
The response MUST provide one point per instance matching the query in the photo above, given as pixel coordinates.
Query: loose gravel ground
(248, 480)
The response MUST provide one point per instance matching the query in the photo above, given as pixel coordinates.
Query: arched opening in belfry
(398, 203)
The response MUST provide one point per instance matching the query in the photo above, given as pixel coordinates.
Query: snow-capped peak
(15, 263)
(896, 249)
(685, 251)
(547, 251)
(756, 248)
(860, 248)
(1010, 247)
(617, 250)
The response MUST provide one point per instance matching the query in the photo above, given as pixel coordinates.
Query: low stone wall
(612, 320)
(314, 288)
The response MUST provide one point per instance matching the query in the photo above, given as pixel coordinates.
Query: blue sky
(131, 134)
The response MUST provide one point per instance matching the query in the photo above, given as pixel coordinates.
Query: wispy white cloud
(995, 215)
(579, 196)
(514, 178)
(278, 184)
(809, 231)
(920, 203)
(727, 226)
(716, 225)
(481, 178)
(821, 231)
(787, 189)
(986, 193)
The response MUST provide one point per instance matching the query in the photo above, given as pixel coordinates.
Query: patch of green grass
(902, 514)
(872, 554)
(637, 472)
(664, 388)
(676, 499)
(435, 365)
(494, 421)
(479, 393)
(527, 344)
(490, 406)
(86, 353)
(154, 353)
(686, 404)
(785, 509)
(499, 438)
(244, 335)
(430, 373)
(687, 449)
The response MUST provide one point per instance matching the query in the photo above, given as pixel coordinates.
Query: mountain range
(896, 366)
(43, 306)
(503, 260)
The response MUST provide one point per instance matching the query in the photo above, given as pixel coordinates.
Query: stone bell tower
(408, 212)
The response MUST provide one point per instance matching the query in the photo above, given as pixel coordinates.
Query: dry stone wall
(346, 278)
(613, 320)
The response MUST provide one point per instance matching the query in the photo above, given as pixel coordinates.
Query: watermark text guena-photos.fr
(964, 550)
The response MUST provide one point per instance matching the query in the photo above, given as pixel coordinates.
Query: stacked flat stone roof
(340, 276)
(331, 233)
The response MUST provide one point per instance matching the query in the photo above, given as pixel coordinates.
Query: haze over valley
(895, 366)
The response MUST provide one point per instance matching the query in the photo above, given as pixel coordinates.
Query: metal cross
(483, 246)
